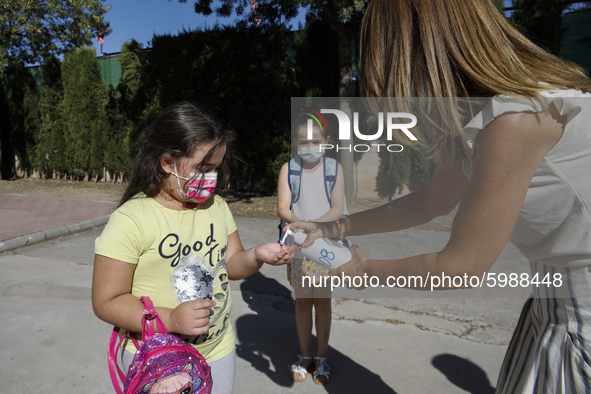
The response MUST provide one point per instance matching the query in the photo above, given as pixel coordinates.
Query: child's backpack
(163, 363)
(331, 169)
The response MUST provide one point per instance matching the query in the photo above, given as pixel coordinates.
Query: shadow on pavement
(269, 342)
(463, 373)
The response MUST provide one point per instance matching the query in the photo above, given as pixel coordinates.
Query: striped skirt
(550, 351)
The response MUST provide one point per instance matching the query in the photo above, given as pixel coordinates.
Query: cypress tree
(58, 143)
(116, 155)
(132, 102)
(96, 148)
(82, 87)
(6, 150)
(50, 142)
(23, 111)
(31, 126)
(101, 129)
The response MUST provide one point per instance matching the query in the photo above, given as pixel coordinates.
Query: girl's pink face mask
(201, 186)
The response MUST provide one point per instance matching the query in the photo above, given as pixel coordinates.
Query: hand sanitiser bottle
(323, 251)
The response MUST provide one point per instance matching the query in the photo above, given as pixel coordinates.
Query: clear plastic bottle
(323, 251)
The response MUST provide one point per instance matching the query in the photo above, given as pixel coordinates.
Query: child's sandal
(298, 372)
(322, 373)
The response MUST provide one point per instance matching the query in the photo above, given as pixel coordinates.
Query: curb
(46, 235)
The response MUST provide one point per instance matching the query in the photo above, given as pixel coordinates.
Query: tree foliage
(243, 75)
(271, 12)
(116, 155)
(6, 151)
(74, 126)
(50, 140)
(23, 113)
(343, 17)
(32, 30)
(132, 101)
(83, 91)
(274, 12)
(540, 21)
(500, 4)
(317, 60)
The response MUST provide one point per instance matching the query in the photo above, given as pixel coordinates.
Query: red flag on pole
(99, 38)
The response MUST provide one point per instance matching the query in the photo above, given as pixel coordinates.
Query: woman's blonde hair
(454, 49)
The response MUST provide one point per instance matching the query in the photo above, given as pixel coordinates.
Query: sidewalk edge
(52, 233)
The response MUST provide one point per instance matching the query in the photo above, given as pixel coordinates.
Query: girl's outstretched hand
(315, 230)
(274, 253)
(191, 317)
(357, 267)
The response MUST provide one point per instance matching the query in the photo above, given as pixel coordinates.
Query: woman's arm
(284, 196)
(438, 198)
(337, 200)
(243, 263)
(508, 153)
(113, 302)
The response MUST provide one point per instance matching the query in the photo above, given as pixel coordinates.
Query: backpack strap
(330, 176)
(295, 178)
(331, 170)
(149, 316)
(114, 369)
(117, 340)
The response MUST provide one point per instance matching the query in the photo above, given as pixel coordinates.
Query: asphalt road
(382, 341)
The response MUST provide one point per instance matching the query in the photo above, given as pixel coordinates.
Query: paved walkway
(387, 342)
(24, 216)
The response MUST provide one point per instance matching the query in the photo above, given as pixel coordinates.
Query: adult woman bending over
(519, 169)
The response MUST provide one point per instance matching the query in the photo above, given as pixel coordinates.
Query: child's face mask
(311, 154)
(201, 186)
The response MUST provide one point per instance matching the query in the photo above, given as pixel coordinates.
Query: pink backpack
(163, 362)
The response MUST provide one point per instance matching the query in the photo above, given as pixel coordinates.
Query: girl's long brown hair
(178, 131)
(450, 49)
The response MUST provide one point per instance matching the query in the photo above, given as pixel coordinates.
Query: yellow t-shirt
(176, 252)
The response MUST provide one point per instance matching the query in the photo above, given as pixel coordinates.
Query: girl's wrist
(165, 315)
(255, 256)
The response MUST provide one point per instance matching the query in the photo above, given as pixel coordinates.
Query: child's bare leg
(303, 315)
(322, 304)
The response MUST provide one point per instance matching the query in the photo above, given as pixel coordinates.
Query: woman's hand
(333, 230)
(273, 253)
(191, 317)
(357, 267)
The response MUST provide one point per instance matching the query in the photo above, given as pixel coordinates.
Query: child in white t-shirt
(310, 187)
